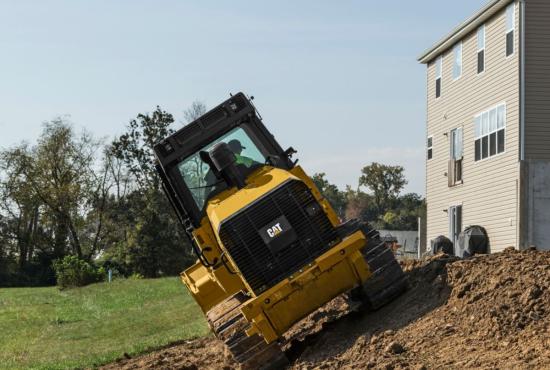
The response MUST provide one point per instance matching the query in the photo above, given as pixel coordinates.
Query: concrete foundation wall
(537, 205)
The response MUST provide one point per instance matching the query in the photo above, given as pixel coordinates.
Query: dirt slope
(483, 313)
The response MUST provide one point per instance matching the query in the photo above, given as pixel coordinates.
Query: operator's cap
(235, 145)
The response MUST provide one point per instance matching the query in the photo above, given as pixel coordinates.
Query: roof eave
(472, 23)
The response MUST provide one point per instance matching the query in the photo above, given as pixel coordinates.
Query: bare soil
(487, 312)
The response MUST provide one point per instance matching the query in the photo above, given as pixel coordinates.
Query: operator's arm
(246, 161)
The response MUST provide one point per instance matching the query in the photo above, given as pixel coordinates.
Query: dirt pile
(486, 312)
(205, 353)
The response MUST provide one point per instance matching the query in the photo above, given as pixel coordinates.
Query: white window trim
(508, 30)
(513, 7)
(451, 154)
(505, 130)
(439, 60)
(461, 60)
(482, 27)
(449, 216)
(440, 76)
(429, 147)
(484, 49)
(451, 146)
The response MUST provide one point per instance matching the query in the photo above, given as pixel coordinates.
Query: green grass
(44, 328)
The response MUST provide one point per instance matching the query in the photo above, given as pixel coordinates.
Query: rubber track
(229, 326)
(388, 280)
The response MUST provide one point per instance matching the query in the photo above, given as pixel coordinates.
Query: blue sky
(338, 80)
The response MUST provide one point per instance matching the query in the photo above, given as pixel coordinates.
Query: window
(510, 27)
(456, 154)
(457, 64)
(455, 224)
(430, 147)
(481, 49)
(490, 133)
(438, 73)
(200, 179)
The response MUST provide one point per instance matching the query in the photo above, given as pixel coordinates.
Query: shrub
(136, 276)
(73, 272)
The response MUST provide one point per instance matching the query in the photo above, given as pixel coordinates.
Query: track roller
(229, 326)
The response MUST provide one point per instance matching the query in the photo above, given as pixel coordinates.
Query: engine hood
(228, 203)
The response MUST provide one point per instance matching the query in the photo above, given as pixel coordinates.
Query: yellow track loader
(270, 248)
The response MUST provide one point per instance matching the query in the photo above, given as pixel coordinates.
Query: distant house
(488, 126)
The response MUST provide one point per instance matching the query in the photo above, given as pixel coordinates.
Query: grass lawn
(45, 328)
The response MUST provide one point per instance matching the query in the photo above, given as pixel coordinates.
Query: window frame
(490, 132)
(458, 135)
(481, 29)
(439, 65)
(429, 147)
(455, 213)
(512, 29)
(461, 59)
(452, 136)
(201, 196)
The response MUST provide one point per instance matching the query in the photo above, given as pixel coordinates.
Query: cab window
(200, 179)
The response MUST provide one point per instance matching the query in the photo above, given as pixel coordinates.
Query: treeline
(70, 194)
(378, 198)
(85, 202)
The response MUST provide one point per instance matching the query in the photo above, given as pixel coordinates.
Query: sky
(337, 80)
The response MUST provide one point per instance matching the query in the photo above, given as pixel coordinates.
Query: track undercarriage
(229, 325)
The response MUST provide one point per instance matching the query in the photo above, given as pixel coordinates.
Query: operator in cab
(237, 148)
(240, 160)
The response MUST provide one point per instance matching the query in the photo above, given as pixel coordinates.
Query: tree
(52, 199)
(359, 205)
(196, 110)
(62, 174)
(69, 195)
(18, 203)
(385, 182)
(56, 179)
(154, 242)
(331, 192)
(411, 207)
(135, 147)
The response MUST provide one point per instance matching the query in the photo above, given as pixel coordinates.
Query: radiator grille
(260, 266)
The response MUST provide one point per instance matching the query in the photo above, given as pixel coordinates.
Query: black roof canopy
(205, 129)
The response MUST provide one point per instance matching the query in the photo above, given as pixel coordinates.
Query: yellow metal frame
(335, 272)
(277, 309)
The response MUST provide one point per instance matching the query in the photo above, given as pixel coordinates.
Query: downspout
(523, 226)
(522, 79)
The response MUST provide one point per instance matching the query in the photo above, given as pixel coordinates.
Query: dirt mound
(485, 312)
(205, 353)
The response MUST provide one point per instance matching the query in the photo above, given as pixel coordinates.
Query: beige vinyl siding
(537, 79)
(489, 192)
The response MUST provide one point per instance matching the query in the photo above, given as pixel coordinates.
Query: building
(488, 126)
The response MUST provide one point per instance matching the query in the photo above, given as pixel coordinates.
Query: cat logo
(278, 234)
(274, 230)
